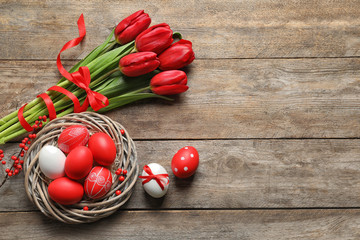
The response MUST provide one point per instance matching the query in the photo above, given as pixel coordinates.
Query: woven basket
(36, 183)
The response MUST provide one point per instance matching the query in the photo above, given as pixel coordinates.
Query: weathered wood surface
(205, 224)
(218, 29)
(273, 108)
(242, 174)
(287, 98)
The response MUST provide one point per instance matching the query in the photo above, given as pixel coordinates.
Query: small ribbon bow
(82, 79)
(159, 178)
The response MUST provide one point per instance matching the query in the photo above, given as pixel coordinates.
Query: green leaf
(91, 56)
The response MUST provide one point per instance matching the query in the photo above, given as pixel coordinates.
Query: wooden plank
(218, 29)
(207, 224)
(297, 98)
(242, 174)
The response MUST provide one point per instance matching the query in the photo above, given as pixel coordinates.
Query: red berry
(1, 155)
(85, 208)
(44, 118)
(122, 131)
(28, 142)
(10, 174)
(16, 162)
(13, 158)
(40, 117)
(1, 151)
(26, 148)
(3, 162)
(118, 172)
(40, 125)
(121, 178)
(22, 145)
(19, 167)
(7, 170)
(21, 161)
(16, 171)
(34, 135)
(36, 122)
(23, 141)
(26, 139)
(125, 172)
(21, 155)
(118, 192)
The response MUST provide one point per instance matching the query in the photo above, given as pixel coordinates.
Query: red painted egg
(98, 182)
(78, 163)
(73, 137)
(185, 162)
(103, 148)
(65, 191)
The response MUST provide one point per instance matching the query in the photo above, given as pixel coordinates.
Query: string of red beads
(17, 166)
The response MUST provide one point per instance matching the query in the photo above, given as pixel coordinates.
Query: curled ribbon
(158, 177)
(80, 78)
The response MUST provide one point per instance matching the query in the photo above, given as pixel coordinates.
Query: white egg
(152, 187)
(52, 162)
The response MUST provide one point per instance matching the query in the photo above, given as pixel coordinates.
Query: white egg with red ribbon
(155, 180)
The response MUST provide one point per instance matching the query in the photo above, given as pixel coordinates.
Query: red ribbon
(49, 104)
(80, 78)
(22, 120)
(158, 177)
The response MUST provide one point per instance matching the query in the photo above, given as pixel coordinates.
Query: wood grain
(206, 224)
(242, 174)
(218, 29)
(297, 98)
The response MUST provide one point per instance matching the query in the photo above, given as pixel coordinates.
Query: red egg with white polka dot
(185, 162)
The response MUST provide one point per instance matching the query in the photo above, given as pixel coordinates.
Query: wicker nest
(36, 183)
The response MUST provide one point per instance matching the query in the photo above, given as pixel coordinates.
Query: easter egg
(98, 182)
(72, 137)
(103, 148)
(185, 162)
(78, 163)
(52, 162)
(65, 191)
(151, 185)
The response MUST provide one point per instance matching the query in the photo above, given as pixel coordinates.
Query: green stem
(22, 131)
(137, 91)
(104, 76)
(98, 51)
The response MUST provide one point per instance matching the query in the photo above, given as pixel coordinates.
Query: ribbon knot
(159, 178)
(82, 79)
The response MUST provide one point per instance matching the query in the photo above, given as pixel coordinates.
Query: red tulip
(154, 39)
(128, 29)
(169, 82)
(178, 55)
(140, 63)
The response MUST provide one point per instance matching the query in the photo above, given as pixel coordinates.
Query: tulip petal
(177, 56)
(135, 70)
(155, 39)
(136, 58)
(170, 89)
(169, 78)
(130, 27)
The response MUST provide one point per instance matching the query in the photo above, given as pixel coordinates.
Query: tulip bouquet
(141, 62)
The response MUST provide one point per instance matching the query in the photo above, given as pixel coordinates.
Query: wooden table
(273, 109)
